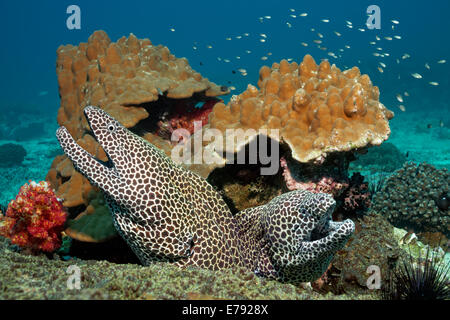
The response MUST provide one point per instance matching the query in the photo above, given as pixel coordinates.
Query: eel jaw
(83, 161)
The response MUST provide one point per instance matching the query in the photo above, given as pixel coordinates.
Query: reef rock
(315, 109)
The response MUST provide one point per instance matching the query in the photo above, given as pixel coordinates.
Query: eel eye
(111, 127)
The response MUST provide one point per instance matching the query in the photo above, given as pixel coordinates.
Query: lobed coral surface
(317, 109)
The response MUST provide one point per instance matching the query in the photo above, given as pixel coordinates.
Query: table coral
(410, 197)
(167, 213)
(133, 80)
(317, 109)
(35, 219)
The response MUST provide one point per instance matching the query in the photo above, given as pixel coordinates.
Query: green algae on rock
(37, 277)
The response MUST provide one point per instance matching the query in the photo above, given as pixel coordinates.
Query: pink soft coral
(35, 219)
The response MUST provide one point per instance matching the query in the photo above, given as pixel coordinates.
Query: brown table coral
(318, 109)
(137, 83)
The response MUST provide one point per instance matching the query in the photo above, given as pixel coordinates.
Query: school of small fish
(293, 15)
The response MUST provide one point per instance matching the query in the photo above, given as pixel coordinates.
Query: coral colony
(35, 219)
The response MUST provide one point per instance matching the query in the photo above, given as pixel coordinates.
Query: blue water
(33, 30)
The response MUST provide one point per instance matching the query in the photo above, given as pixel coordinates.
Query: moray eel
(164, 212)
(292, 238)
(167, 213)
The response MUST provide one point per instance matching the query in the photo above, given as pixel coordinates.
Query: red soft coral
(35, 219)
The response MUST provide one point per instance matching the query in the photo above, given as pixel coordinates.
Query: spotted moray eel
(292, 238)
(167, 213)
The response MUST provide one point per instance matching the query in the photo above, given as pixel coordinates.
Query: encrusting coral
(35, 219)
(136, 82)
(167, 213)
